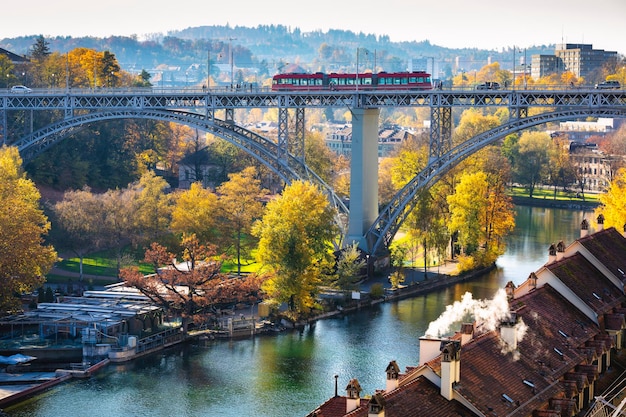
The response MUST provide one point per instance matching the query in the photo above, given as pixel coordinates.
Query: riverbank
(19, 384)
(573, 203)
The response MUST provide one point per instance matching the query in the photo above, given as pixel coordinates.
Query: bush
(377, 291)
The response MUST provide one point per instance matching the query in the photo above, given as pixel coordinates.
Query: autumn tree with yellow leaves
(613, 202)
(25, 258)
(294, 241)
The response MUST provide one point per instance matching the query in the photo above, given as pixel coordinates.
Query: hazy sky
(484, 24)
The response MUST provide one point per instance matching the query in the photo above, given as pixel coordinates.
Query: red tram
(416, 80)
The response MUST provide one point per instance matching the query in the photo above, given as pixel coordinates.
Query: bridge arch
(382, 231)
(285, 165)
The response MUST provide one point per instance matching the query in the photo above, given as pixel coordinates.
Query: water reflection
(289, 374)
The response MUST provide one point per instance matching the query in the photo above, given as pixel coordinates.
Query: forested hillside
(269, 46)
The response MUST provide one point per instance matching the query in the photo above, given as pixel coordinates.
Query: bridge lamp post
(232, 61)
(208, 70)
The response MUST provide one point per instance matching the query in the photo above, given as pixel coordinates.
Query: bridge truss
(286, 157)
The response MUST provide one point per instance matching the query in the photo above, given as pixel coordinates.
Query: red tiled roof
(587, 282)
(552, 362)
(608, 246)
(419, 398)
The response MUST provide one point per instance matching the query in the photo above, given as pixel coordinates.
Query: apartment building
(579, 59)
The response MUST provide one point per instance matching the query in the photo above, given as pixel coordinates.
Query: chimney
(430, 348)
(584, 228)
(353, 391)
(508, 331)
(532, 281)
(551, 253)
(393, 371)
(377, 406)
(450, 367)
(600, 222)
(560, 250)
(467, 332)
(509, 288)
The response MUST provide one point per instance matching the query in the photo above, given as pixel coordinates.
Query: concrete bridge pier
(363, 175)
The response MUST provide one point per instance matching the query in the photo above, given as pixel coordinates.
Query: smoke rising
(487, 313)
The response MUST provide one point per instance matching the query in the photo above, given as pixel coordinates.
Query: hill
(267, 47)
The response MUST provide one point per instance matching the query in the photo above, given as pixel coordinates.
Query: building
(15, 59)
(198, 166)
(389, 139)
(548, 348)
(595, 168)
(579, 59)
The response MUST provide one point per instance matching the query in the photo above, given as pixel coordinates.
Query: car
(489, 85)
(606, 85)
(20, 89)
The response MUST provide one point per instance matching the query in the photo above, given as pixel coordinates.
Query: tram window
(403, 81)
(396, 81)
(367, 81)
(304, 81)
(413, 80)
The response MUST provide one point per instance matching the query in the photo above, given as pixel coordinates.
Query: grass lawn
(98, 263)
(104, 264)
(548, 194)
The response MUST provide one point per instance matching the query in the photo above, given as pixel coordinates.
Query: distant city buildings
(594, 167)
(389, 139)
(579, 59)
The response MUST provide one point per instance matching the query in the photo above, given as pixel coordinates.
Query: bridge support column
(440, 132)
(363, 175)
(283, 133)
(3, 127)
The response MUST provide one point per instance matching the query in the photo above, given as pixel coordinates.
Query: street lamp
(208, 69)
(232, 61)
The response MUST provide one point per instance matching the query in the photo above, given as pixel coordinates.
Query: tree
(115, 218)
(397, 258)
(194, 212)
(481, 213)
(41, 49)
(294, 237)
(349, 265)
(194, 289)
(532, 159)
(318, 157)
(7, 78)
(239, 205)
(613, 202)
(561, 170)
(152, 206)
(24, 257)
(77, 214)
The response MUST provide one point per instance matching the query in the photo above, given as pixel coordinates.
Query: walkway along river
(291, 373)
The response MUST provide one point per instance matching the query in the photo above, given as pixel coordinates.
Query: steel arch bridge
(285, 157)
(287, 166)
(381, 233)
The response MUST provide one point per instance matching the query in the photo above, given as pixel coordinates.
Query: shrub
(377, 291)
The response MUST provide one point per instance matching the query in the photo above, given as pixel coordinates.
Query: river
(291, 373)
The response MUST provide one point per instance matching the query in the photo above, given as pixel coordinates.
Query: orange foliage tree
(193, 289)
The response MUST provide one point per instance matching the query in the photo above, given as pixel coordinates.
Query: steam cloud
(487, 313)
